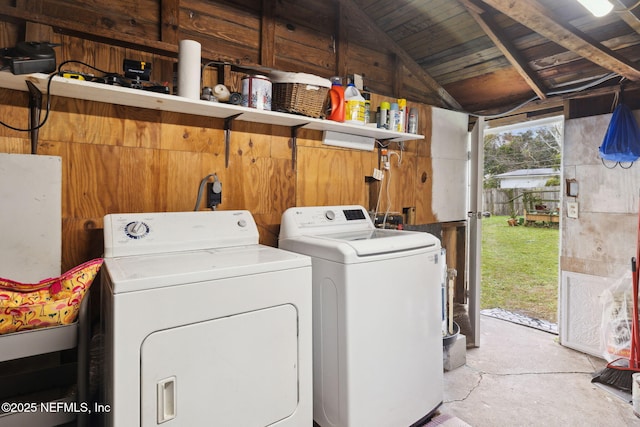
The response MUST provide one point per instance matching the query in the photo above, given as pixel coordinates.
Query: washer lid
(141, 272)
(361, 246)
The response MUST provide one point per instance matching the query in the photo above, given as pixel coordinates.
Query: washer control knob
(136, 229)
(330, 215)
(242, 223)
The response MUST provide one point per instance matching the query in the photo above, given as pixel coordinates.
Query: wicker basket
(300, 93)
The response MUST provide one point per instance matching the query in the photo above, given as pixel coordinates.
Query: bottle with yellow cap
(383, 115)
(402, 112)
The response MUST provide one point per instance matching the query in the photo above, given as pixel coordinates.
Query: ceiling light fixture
(597, 7)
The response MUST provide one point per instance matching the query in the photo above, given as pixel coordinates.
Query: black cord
(201, 190)
(46, 115)
(73, 61)
(551, 93)
(48, 109)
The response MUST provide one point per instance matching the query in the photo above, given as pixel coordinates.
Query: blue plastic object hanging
(621, 143)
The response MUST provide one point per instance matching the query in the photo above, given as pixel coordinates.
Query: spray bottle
(394, 117)
(367, 107)
(412, 125)
(402, 108)
(383, 115)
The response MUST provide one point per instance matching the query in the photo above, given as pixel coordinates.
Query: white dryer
(203, 325)
(377, 327)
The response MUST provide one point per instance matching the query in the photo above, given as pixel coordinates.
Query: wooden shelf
(100, 92)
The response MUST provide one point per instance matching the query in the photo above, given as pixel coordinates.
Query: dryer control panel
(160, 232)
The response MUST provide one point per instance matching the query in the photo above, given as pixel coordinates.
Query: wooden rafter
(388, 43)
(627, 15)
(539, 19)
(493, 31)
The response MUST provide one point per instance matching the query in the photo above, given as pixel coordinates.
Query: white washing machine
(377, 327)
(203, 325)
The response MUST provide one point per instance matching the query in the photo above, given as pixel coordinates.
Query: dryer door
(234, 371)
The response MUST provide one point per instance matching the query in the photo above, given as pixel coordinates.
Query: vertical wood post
(341, 39)
(169, 25)
(268, 34)
(169, 21)
(397, 78)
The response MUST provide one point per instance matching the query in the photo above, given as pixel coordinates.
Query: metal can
(256, 92)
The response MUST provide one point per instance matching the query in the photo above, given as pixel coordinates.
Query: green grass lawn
(520, 268)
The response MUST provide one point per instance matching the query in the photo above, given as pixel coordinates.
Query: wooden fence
(498, 201)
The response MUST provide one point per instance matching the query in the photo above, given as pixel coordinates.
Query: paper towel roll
(189, 69)
(221, 92)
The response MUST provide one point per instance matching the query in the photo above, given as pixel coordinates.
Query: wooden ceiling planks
(538, 18)
(458, 52)
(437, 43)
(504, 44)
(421, 16)
(442, 36)
(352, 10)
(419, 25)
(464, 67)
(478, 94)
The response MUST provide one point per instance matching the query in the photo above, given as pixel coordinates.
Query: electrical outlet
(214, 194)
(572, 210)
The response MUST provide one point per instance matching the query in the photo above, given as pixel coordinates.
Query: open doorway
(521, 217)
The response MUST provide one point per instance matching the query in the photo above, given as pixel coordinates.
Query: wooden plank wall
(124, 159)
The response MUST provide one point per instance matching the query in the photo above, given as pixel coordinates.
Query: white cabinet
(449, 151)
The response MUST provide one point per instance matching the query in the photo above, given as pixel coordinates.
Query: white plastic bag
(617, 318)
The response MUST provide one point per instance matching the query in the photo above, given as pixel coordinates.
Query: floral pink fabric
(50, 302)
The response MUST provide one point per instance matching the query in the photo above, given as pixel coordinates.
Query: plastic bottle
(336, 97)
(367, 107)
(354, 105)
(383, 115)
(412, 125)
(394, 117)
(402, 108)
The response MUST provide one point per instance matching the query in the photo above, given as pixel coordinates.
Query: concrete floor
(520, 376)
